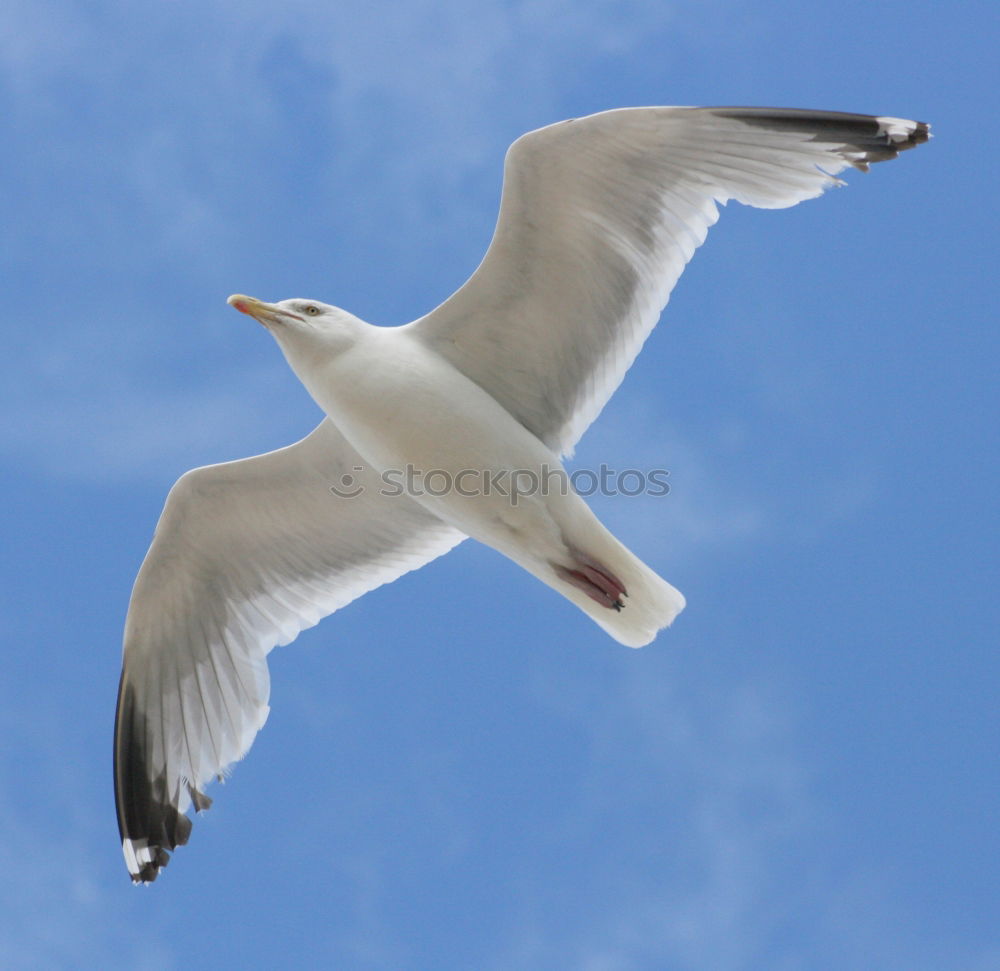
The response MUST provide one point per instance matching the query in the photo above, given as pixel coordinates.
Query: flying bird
(598, 217)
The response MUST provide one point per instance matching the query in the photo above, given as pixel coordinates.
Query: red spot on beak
(252, 307)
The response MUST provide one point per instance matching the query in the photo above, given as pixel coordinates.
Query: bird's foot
(597, 582)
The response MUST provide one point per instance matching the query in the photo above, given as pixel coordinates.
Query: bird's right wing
(246, 554)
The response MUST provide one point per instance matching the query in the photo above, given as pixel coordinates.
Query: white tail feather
(650, 604)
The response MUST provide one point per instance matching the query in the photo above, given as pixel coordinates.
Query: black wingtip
(149, 822)
(866, 138)
(921, 134)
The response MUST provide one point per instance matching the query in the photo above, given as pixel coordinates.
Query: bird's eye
(312, 310)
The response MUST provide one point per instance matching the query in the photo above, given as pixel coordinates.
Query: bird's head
(301, 323)
(288, 313)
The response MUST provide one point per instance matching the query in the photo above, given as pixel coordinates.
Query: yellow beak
(264, 313)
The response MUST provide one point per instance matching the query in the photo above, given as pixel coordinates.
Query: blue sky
(460, 770)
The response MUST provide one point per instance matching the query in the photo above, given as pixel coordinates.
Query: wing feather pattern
(246, 554)
(599, 217)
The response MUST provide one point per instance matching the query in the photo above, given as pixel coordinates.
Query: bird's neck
(311, 353)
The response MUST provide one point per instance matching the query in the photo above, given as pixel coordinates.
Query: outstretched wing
(246, 554)
(598, 218)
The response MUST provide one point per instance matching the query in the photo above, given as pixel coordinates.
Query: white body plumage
(416, 419)
(599, 216)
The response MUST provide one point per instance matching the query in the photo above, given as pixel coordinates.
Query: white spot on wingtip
(137, 854)
(900, 129)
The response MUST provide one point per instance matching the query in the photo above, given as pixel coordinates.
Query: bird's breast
(400, 404)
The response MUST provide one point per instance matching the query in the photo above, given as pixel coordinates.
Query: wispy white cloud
(161, 152)
(702, 511)
(705, 895)
(161, 161)
(77, 418)
(717, 797)
(55, 909)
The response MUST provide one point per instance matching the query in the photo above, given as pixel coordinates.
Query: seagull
(598, 217)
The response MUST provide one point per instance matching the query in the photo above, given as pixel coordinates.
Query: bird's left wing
(598, 218)
(246, 554)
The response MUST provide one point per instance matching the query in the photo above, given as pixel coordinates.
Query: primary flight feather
(598, 218)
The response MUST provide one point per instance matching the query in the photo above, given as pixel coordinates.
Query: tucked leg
(596, 582)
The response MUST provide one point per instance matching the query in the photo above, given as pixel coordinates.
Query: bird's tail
(610, 584)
